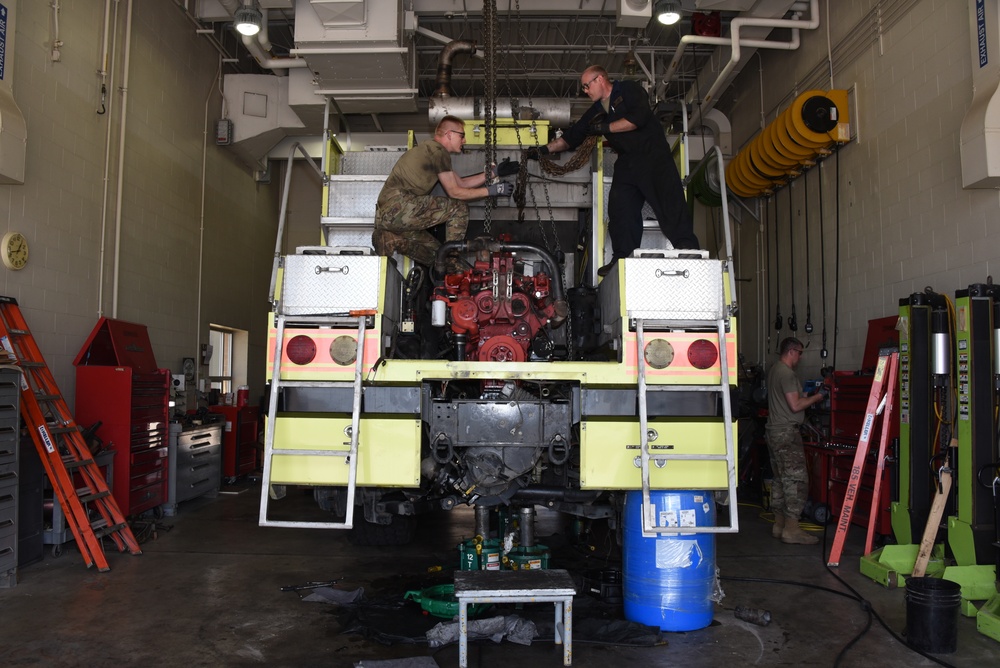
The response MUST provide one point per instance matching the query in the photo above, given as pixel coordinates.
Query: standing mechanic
(786, 406)
(644, 169)
(406, 210)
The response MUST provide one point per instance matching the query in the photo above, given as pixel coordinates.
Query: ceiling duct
(359, 52)
(634, 13)
(13, 131)
(980, 133)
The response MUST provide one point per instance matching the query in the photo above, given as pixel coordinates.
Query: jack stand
(514, 548)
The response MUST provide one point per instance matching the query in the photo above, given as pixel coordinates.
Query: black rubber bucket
(932, 607)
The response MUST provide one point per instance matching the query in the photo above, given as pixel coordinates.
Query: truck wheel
(398, 532)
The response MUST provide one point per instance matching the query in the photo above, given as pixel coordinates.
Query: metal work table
(534, 586)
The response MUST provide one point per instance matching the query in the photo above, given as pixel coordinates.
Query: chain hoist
(491, 36)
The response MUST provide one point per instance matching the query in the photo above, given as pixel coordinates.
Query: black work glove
(508, 168)
(534, 152)
(598, 129)
(500, 189)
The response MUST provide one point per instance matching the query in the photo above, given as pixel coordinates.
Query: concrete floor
(206, 592)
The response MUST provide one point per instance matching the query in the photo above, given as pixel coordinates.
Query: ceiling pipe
(442, 101)
(255, 44)
(262, 37)
(444, 39)
(734, 41)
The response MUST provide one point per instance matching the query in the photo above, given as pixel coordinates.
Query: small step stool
(534, 586)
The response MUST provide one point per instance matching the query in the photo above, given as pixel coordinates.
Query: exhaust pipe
(443, 79)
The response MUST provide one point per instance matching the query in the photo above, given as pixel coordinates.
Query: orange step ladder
(91, 511)
(881, 406)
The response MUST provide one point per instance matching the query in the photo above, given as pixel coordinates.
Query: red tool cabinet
(837, 429)
(239, 439)
(119, 385)
(829, 468)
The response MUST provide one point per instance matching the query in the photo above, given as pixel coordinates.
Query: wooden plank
(933, 522)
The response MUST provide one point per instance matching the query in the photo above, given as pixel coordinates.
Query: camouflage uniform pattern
(401, 225)
(790, 485)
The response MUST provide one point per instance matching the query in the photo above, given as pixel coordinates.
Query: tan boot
(794, 535)
(779, 525)
(385, 242)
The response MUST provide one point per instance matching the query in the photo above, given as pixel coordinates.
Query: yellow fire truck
(521, 380)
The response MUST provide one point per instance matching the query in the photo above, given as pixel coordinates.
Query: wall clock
(15, 250)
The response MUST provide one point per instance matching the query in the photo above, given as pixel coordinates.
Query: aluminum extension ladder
(712, 160)
(649, 527)
(350, 455)
(77, 482)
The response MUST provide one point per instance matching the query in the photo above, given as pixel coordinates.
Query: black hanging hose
(805, 207)
(836, 280)
(822, 259)
(777, 277)
(793, 323)
(767, 263)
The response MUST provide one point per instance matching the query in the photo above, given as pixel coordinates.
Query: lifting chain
(521, 184)
(491, 36)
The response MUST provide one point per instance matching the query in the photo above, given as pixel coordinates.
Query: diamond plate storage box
(329, 284)
(674, 289)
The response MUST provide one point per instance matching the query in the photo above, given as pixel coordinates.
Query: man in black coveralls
(644, 169)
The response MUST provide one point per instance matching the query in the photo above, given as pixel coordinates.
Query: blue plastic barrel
(668, 580)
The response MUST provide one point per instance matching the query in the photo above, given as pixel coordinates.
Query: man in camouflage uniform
(786, 406)
(405, 208)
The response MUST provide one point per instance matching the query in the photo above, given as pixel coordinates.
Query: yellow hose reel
(801, 133)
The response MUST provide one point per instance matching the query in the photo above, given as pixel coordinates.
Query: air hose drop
(799, 135)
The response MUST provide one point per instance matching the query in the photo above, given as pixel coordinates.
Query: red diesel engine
(497, 313)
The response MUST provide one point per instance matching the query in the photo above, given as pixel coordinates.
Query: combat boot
(385, 242)
(794, 535)
(779, 525)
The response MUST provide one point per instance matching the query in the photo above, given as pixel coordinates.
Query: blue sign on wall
(981, 31)
(3, 38)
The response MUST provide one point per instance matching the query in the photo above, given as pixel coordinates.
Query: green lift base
(988, 619)
(891, 564)
(978, 584)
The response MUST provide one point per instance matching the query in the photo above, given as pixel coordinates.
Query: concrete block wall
(905, 221)
(179, 269)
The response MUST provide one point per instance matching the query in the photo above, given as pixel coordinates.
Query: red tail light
(702, 354)
(301, 349)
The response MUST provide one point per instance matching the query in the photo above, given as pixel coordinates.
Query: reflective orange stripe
(681, 367)
(323, 364)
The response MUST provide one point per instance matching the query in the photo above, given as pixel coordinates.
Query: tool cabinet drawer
(149, 458)
(198, 457)
(144, 498)
(8, 558)
(198, 438)
(199, 478)
(8, 456)
(8, 483)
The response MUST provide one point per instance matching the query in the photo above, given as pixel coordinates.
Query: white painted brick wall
(906, 222)
(59, 206)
